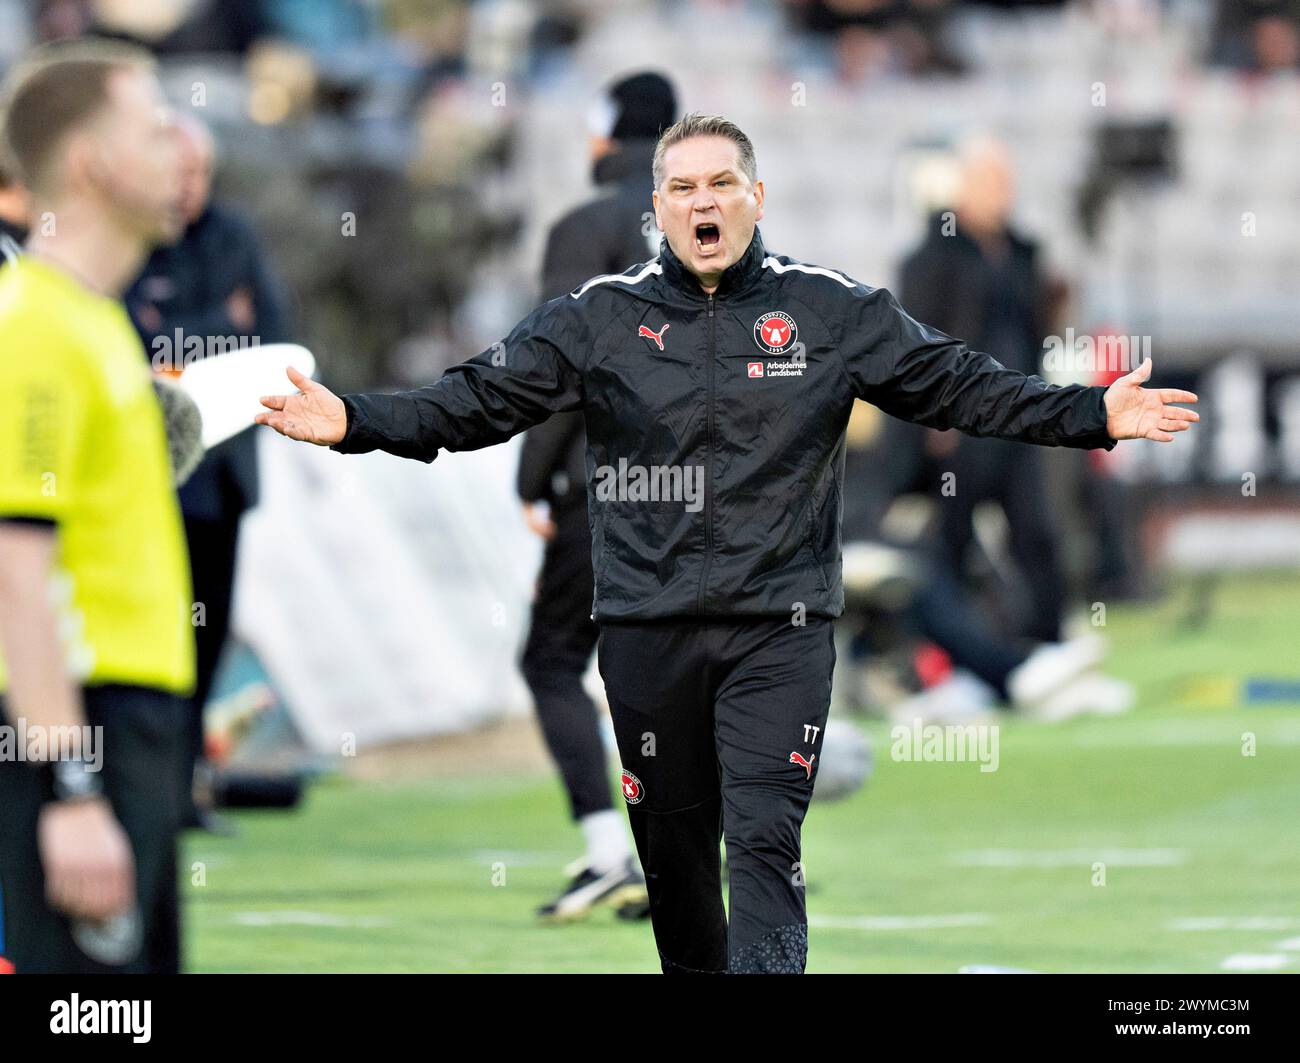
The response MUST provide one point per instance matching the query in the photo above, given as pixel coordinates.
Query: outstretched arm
(920, 374)
(514, 384)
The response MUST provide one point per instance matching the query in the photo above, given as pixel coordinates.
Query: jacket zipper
(708, 482)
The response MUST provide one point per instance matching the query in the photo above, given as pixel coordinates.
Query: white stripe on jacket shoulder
(777, 266)
(649, 269)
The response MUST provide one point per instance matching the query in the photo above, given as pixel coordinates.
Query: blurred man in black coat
(214, 283)
(606, 235)
(975, 278)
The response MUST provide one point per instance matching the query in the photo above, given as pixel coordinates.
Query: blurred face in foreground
(128, 158)
(706, 206)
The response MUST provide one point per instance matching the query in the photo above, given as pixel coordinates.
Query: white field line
(1119, 732)
(1235, 922)
(899, 922)
(262, 919)
(1051, 858)
(1256, 961)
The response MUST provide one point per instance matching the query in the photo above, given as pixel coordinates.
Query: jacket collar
(736, 278)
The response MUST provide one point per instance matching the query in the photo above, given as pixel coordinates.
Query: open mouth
(707, 237)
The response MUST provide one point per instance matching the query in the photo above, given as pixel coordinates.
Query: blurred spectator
(1275, 43)
(607, 235)
(1261, 36)
(214, 284)
(874, 37)
(436, 37)
(200, 26)
(58, 20)
(976, 279)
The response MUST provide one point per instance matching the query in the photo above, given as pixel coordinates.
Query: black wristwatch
(75, 781)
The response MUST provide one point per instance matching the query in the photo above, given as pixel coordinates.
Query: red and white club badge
(775, 332)
(632, 791)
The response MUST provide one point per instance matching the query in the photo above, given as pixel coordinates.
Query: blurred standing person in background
(14, 207)
(94, 582)
(603, 236)
(215, 284)
(981, 280)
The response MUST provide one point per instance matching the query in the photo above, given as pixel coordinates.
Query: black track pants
(560, 640)
(144, 735)
(719, 725)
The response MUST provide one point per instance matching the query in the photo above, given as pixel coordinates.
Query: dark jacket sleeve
(546, 452)
(920, 374)
(516, 383)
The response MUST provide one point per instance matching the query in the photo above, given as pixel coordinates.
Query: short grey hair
(705, 125)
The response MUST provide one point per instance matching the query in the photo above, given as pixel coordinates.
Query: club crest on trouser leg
(632, 789)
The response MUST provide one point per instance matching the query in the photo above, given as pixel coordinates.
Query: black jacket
(761, 428)
(188, 283)
(950, 283)
(604, 236)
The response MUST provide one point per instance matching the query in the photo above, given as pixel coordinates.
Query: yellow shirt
(82, 443)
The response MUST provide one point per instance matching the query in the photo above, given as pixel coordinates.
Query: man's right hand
(89, 869)
(315, 415)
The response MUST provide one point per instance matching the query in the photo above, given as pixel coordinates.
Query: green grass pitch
(930, 867)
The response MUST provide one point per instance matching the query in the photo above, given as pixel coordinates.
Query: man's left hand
(1135, 412)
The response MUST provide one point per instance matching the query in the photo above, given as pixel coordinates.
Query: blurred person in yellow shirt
(96, 644)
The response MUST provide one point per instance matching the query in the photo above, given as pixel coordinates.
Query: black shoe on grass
(621, 888)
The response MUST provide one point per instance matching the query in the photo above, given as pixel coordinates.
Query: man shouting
(716, 383)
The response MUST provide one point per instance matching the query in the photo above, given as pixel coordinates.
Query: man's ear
(654, 199)
(759, 194)
(86, 163)
(78, 163)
